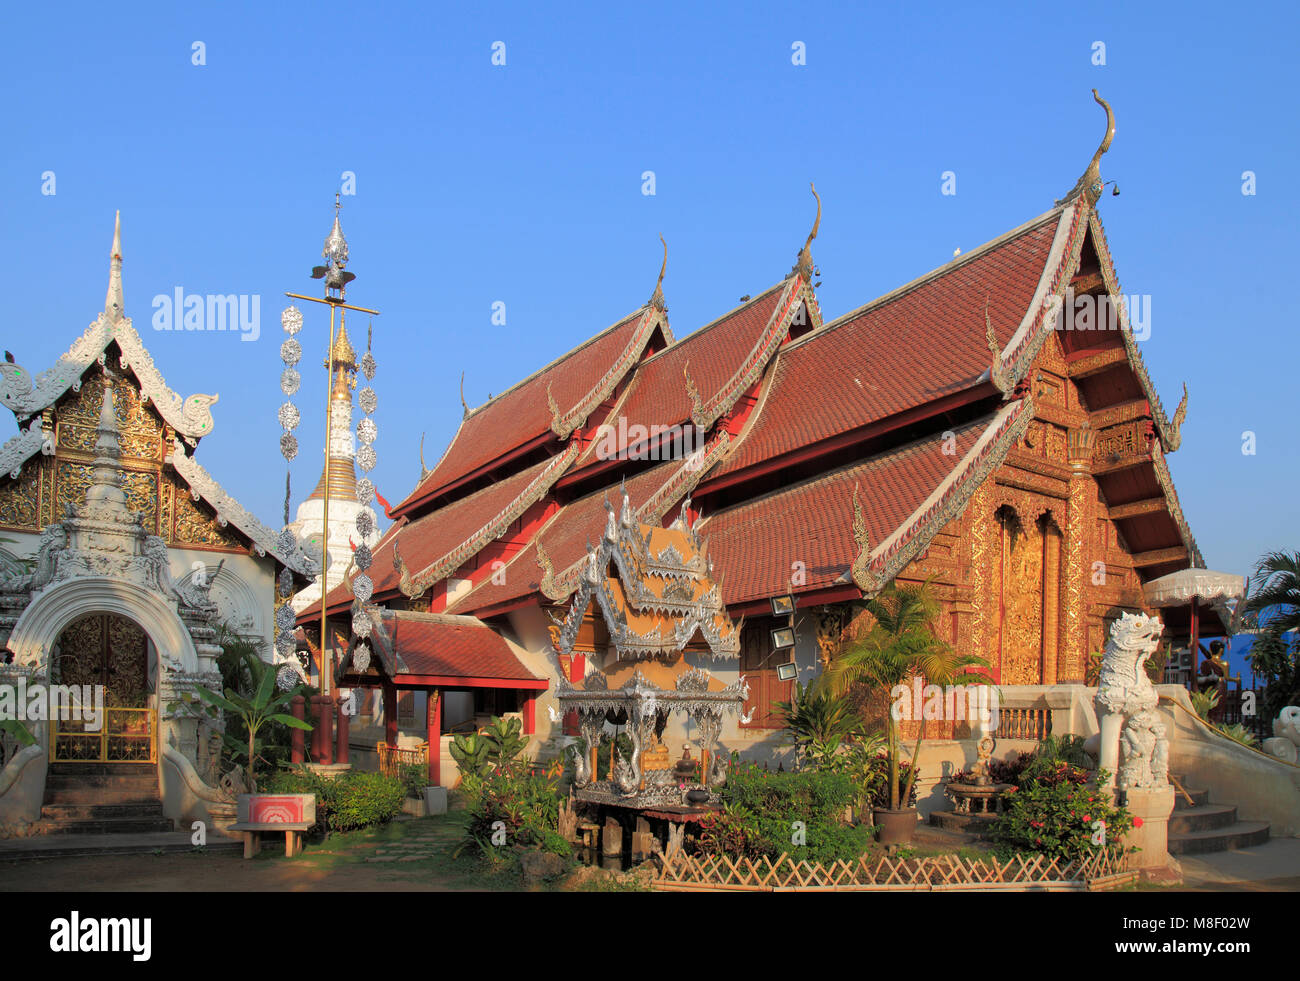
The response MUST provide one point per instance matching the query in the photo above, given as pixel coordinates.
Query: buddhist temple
(124, 564)
(974, 428)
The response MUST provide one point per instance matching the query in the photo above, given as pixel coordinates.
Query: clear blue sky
(522, 184)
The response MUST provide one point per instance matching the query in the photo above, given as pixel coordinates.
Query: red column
(1195, 644)
(530, 713)
(390, 713)
(317, 753)
(326, 724)
(297, 708)
(433, 720)
(341, 738)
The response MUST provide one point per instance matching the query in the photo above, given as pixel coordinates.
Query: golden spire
(1090, 184)
(344, 356)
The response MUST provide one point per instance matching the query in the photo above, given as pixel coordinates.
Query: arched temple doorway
(110, 650)
(103, 660)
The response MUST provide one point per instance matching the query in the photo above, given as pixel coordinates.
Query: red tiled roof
(565, 538)
(657, 395)
(523, 412)
(911, 347)
(459, 647)
(754, 545)
(432, 536)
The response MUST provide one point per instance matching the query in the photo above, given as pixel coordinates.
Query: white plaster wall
(257, 574)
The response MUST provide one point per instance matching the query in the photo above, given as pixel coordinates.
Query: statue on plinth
(1126, 701)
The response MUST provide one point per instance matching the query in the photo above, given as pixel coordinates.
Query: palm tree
(900, 645)
(1273, 656)
(1277, 584)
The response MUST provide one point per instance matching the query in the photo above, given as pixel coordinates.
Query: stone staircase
(1201, 827)
(102, 798)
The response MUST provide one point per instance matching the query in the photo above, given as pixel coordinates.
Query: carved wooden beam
(1093, 364)
(1087, 282)
(1120, 412)
(1159, 556)
(1152, 505)
(1059, 415)
(1102, 467)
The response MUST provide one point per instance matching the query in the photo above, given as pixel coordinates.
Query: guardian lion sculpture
(1126, 702)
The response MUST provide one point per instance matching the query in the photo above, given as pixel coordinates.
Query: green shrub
(761, 810)
(880, 781)
(345, 803)
(524, 801)
(1056, 814)
(363, 800)
(414, 777)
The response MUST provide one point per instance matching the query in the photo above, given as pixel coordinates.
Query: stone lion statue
(1285, 743)
(1126, 701)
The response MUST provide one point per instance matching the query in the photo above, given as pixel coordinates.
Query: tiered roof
(838, 457)
(553, 400)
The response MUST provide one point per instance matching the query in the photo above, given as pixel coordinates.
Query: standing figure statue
(1126, 701)
(1213, 676)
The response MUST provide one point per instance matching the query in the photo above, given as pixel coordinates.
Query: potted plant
(264, 706)
(899, 645)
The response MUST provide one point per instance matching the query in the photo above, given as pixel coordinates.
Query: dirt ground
(402, 857)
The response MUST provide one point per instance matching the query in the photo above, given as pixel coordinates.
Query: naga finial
(424, 471)
(1090, 184)
(657, 297)
(997, 374)
(405, 581)
(557, 416)
(463, 404)
(804, 264)
(1174, 438)
(860, 571)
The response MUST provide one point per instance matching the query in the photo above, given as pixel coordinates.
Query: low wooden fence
(946, 873)
(392, 759)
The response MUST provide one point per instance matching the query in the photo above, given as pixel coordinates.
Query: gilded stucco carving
(20, 499)
(71, 482)
(194, 524)
(1022, 555)
(139, 429)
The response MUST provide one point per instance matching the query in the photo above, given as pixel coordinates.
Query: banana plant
(265, 705)
(504, 740)
(470, 751)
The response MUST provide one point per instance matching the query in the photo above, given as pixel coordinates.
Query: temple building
(981, 428)
(123, 564)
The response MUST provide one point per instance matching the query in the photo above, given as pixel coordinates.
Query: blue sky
(522, 184)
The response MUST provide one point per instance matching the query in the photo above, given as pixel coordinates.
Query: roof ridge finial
(657, 297)
(1090, 184)
(804, 264)
(114, 306)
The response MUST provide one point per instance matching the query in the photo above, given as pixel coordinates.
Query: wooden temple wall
(1034, 569)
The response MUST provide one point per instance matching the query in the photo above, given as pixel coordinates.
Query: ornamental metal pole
(336, 280)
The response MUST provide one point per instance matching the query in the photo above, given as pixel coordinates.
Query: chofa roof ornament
(657, 297)
(803, 266)
(1090, 184)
